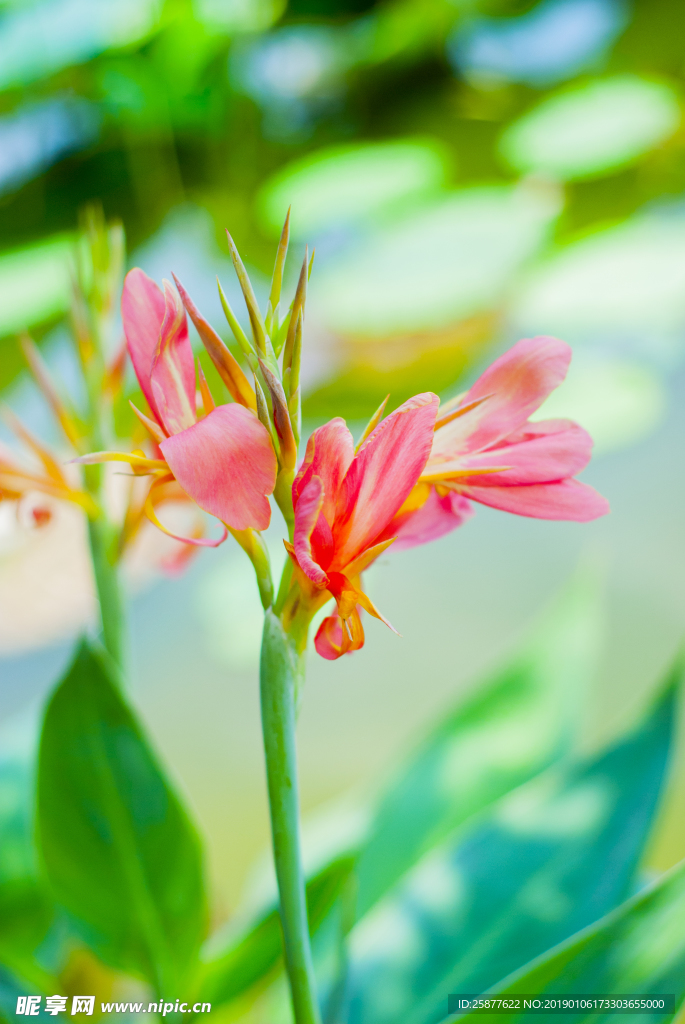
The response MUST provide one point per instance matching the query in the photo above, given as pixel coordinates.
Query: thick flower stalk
(410, 478)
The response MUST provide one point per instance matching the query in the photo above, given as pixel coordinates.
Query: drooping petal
(331, 640)
(307, 513)
(142, 311)
(172, 377)
(382, 475)
(548, 452)
(227, 464)
(566, 499)
(517, 384)
(439, 515)
(330, 451)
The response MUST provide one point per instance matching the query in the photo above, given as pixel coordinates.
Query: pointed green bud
(256, 322)
(277, 277)
(297, 309)
(238, 332)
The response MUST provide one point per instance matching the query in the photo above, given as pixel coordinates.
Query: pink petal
(518, 383)
(330, 451)
(382, 475)
(438, 516)
(142, 311)
(546, 455)
(227, 464)
(307, 513)
(173, 371)
(567, 499)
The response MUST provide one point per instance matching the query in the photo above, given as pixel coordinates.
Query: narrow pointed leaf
(233, 965)
(548, 859)
(639, 948)
(516, 725)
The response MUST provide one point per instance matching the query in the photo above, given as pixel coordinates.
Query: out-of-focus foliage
(465, 171)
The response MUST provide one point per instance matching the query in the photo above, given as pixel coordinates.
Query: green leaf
(118, 848)
(639, 948)
(252, 956)
(520, 723)
(549, 859)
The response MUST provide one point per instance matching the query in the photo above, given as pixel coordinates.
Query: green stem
(108, 589)
(279, 669)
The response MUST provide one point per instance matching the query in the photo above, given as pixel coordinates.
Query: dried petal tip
(226, 364)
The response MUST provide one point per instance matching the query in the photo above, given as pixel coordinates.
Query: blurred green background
(468, 172)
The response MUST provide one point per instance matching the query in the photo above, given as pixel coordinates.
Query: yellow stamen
(443, 420)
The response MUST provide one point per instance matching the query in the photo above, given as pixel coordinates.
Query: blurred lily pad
(616, 400)
(345, 184)
(592, 128)
(448, 260)
(624, 286)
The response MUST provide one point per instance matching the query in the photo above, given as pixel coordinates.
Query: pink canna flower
(225, 460)
(349, 508)
(345, 504)
(486, 449)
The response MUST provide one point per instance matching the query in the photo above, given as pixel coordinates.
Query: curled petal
(513, 388)
(227, 464)
(306, 515)
(565, 499)
(382, 475)
(172, 377)
(149, 509)
(142, 311)
(330, 451)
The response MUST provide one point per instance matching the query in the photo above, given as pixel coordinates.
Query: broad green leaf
(639, 948)
(252, 956)
(592, 128)
(550, 858)
(118, 848)
(516, 725)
